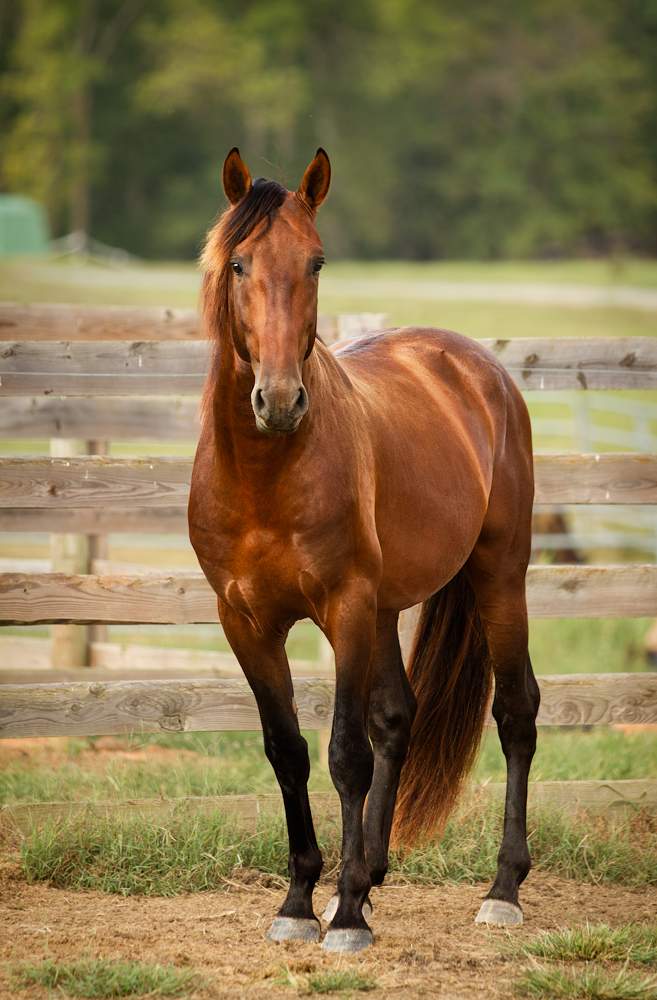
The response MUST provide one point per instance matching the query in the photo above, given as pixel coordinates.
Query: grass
(589, 983)
(195, 852)
(235, 763)
(339, 981)
(103, 978)
(594, 962)
(594, 943)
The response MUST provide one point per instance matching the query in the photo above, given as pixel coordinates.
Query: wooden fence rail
(184, 597)
(100, 482)
(93, 709)
(149, 368)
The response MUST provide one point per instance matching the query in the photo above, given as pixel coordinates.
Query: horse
(345, 485)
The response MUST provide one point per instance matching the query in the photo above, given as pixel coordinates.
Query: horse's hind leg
(503, 611)
(265, 664)
(392, 710)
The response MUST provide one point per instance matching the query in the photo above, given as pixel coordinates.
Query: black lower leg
(514, 709)
(392, 710)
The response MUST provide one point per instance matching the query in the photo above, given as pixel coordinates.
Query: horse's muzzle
(279, 407)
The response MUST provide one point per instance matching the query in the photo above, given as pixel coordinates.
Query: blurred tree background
(521, 128)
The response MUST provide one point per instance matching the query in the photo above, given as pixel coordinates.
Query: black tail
(450, 672)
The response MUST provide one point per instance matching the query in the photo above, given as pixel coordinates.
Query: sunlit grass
(105, 979)
(190, 852)
(594, 943)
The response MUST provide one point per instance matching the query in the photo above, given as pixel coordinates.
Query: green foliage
(105, 979)
(475, 130)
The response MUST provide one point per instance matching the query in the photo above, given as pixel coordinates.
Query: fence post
(327, 663)
(69, 644)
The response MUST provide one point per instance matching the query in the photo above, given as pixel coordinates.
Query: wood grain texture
(96, 520)
(579, 362)
(93, 708)
(88, 482)
(599, 478)
(95, 481)
(100, 418)
(177, 598)
(92, 323)
(147, 368)
(185, 597)
(79, 323)
(120, 707)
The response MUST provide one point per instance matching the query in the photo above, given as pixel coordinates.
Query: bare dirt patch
(425, 941)
(54, 752)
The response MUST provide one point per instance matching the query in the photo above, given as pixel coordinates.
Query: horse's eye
(237, 267)
(318, 267)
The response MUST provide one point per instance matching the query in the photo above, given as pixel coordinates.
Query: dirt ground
(425, 941)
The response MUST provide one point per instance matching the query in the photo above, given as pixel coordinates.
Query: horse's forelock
(235, 225)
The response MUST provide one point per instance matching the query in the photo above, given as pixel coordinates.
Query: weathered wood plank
(97, 520)
(177, 598)
(185, 597)
(46, 322)
(104, 368)
(610, 797)
(25, 660)
(95, 709)
(100, 418)
(599, 478)
(78, 322)
(150, 368)
(27, 816)
(579, 362)
(93, 481)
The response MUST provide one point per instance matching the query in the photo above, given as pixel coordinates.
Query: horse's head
(271, 276)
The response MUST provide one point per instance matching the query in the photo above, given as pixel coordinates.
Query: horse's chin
(276, 430)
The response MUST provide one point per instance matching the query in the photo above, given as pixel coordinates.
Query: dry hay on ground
(425, 941)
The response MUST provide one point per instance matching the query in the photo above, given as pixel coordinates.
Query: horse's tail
(450, 672)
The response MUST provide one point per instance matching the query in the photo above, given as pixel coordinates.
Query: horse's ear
(316, 181)
(237, 179)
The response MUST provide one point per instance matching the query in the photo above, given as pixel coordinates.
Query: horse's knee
(390, 730)
(351, 761)
(290, 759)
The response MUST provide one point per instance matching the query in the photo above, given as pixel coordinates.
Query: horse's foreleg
(352, 634)
(392, 710)
(266, 668)
(503, 613)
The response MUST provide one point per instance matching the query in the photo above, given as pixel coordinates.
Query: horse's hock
(80, 374)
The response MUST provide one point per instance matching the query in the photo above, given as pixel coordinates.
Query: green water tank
(23, 226)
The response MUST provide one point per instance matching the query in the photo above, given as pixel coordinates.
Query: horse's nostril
(259, 404)
(301, 404)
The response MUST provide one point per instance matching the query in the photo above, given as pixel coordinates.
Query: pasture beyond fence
(98, 374)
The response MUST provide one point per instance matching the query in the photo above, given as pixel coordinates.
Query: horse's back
(450, 431)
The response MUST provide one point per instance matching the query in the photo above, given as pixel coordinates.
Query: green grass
(339, 981)
(102, 978)
(191, 853)
(589, 983)
(594, 943)
(235, 763)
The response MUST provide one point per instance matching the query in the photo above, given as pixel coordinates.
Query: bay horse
(346, 485)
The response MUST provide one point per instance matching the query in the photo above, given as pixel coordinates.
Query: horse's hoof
(347, 941)
(332, 908)
(294, 929)
(496, 911)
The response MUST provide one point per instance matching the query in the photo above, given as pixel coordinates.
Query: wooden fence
(106, 374)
